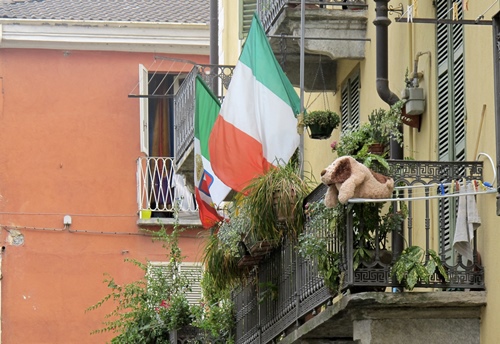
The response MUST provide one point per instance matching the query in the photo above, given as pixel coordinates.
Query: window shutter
(144, 109)
(349, 104)
(451, 86)
(248, 8)
(354, 94)
(191, 271)
(451, 108)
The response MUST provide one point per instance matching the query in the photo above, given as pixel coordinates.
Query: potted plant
(273, 202)
(356, 142)
(360, 143)
(321, 123)
(384, 125)
(221, 254)
(415, 265)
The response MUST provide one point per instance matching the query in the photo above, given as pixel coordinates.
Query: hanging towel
(468, 221)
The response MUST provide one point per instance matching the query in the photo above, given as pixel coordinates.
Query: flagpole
(302, 34)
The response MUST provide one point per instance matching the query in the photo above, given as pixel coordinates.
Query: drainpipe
(496, 65)
(214, 32)
(381, 23)
(214, 42)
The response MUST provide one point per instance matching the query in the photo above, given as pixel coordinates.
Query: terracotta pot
(376, 148)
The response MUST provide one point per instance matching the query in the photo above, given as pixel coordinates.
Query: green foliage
(215, 315)
(356, 143)
(312, 244)
(232, 230)
(384, 124)
(352, 140)
(393, 219)
(273, 202)
(148, 309)
(323, 118)
(414, 265)
(326, 223)
(221, 264)
(381, 127)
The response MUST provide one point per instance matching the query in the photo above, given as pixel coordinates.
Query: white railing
(160, 189)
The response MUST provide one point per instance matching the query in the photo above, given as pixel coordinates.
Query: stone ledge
(336, 321)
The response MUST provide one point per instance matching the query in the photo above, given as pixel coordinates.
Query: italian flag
(206, 111)
(256, 127)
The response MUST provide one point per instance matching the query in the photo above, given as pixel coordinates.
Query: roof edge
(97, 23)
(164, 39)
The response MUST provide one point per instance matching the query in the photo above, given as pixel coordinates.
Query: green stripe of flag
(206, 111)
(257, 48)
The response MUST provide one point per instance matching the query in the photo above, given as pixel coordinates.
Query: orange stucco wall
(68, 145)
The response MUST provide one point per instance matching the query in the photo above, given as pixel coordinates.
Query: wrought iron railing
(218, 79)
(270, 10)
(160, 189)
(288, 286)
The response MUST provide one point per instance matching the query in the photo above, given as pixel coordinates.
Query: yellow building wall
(406, 40)
(229, 27)
(481, 137)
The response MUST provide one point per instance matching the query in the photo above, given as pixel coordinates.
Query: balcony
(334, 30)
(304, 307)
(218, 79)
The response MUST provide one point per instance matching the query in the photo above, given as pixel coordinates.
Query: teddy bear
(347, 178)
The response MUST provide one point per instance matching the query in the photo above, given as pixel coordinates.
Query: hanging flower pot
(320, 124)
(320, 132)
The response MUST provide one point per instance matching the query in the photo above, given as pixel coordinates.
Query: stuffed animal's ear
(341, 171)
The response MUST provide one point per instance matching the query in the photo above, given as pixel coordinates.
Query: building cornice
(110, 36)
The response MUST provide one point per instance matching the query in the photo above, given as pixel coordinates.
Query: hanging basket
(319, 132)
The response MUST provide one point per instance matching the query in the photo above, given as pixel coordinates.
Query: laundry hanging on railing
(468, 220)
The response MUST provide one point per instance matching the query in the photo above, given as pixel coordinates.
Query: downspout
(381, 23)
(214, 32)
(496, 84)
(214, 42)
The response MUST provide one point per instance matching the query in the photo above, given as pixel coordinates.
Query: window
(158, 185)
(191, 271)
(349, 106)
(157, 111)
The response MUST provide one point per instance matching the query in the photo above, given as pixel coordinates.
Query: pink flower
(334, 145)
(165, 304)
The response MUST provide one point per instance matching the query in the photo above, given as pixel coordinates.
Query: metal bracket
(399, 10)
